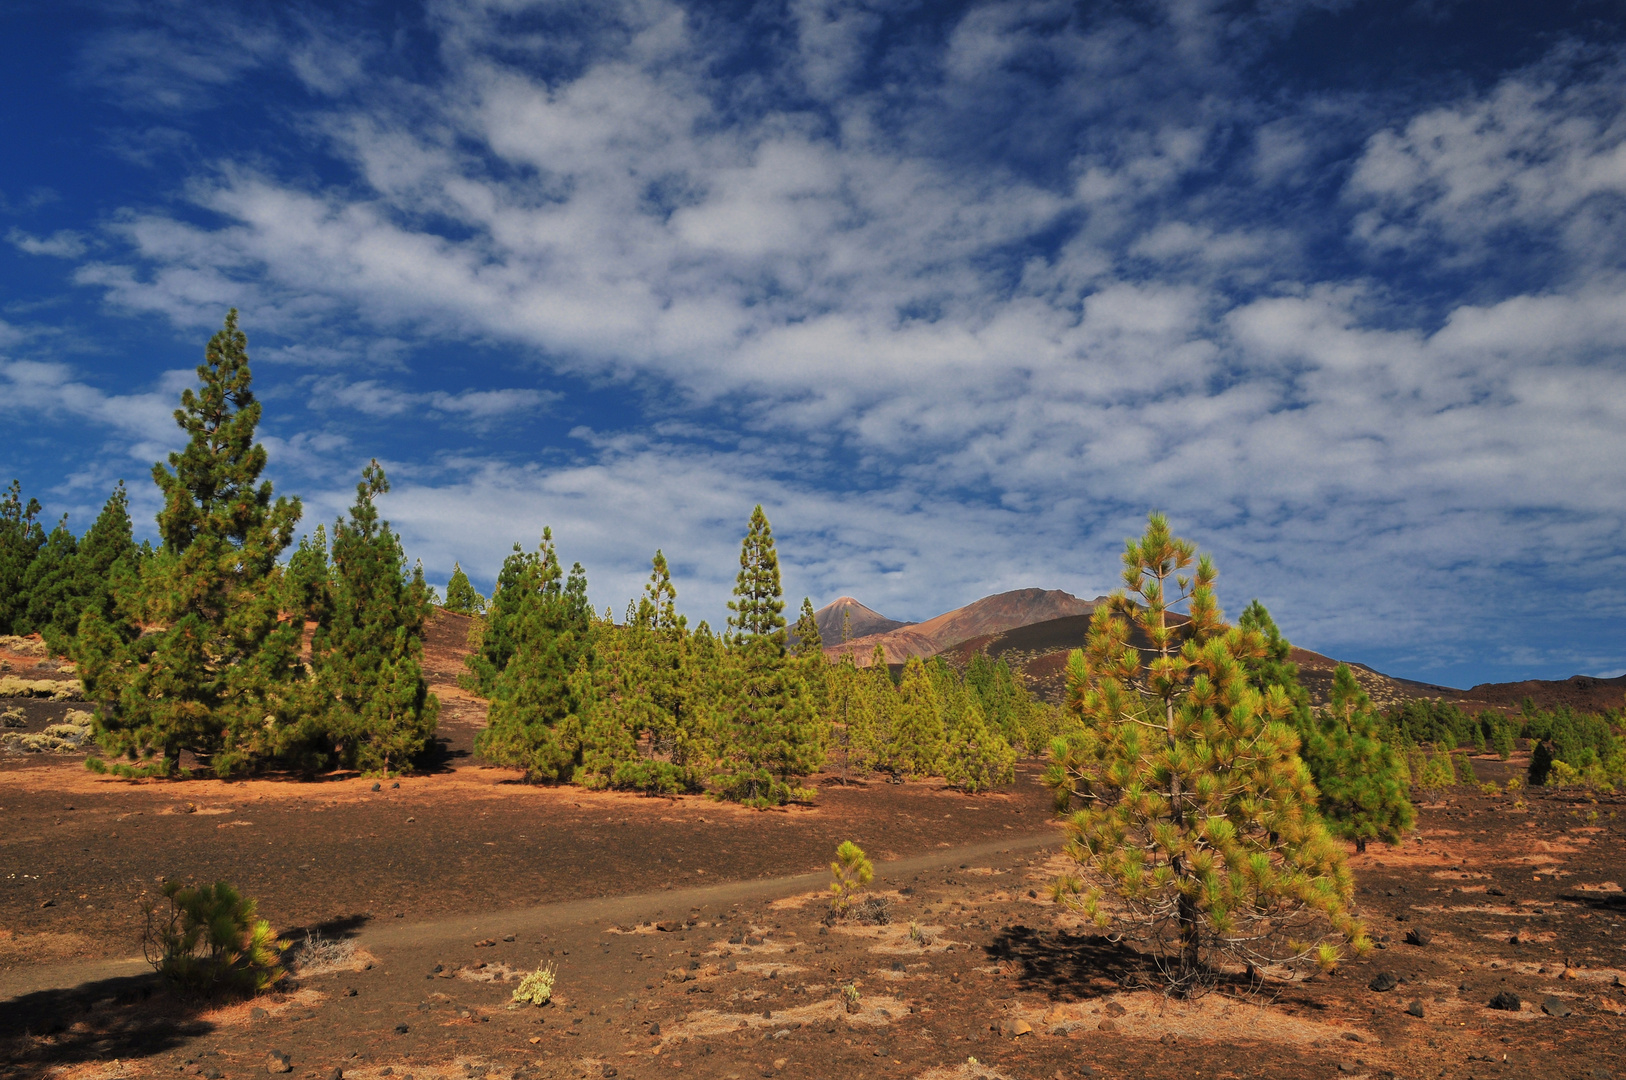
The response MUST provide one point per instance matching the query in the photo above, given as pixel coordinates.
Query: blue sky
(957, 291)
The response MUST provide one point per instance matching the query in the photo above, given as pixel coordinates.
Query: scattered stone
(655, 1028)
(277, 1062)
(508, 937)
(485, 943)
(1555, 1006)
(335, 1073)
(1415, 1009)
(1418, 936)
(377, 786)
(1348, 1067)
(350, 991)
(257, 1013)
(1014, 1028)
(1107, 1025)
(48, 903)
(1506, 1001)
(1494, 891)
(1383, 982)
(400, 1029)
(1112, 1008)
(608, 1071)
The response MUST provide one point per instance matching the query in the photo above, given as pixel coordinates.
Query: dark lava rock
(609, 1070)
(400, 1029)
(1494, 891)
(335, 1073)
(1415, 1009)
(1417, 935)
(1112, 1008)
(377, 786)
(1507, 1001)
(1383, 982)
(655, 1029)
(1555, 1006)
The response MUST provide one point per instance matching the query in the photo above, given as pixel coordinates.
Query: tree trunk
(1360, 845)
(1190, 939)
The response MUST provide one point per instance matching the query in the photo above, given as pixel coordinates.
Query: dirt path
(394, 938)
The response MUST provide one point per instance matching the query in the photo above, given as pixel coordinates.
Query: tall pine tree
(538, 630)
(21, 538)
(367, 652)
(213, 674)
(917, 734)
(770, 737)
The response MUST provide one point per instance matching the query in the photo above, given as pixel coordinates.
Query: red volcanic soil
(689, 936)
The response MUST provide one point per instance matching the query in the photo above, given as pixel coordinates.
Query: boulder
(1506, 1001)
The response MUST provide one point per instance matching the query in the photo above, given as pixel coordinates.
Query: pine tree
(367, 653)
(307, 583)
(814, 671)
(221, 662)
(917, 732)
(107, 556)
(49, 585)
(770, 736)
(461, 595)
(975, 756)
(1361, 777)
(1183, 787)
(871, 740)
(538, 629)
(1275, 666)
(21, 538)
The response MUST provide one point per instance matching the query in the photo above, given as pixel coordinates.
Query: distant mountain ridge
(990, 615)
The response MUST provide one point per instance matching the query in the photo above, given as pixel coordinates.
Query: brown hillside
(990, 615)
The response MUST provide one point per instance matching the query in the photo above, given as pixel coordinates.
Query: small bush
(851, 872)
(872, 911)
(537, 987)
(849, 998)
(318, 955)
(210, 942)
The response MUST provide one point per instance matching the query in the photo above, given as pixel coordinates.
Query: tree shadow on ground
(1069, 967)
(111, 1019)
(342, 928)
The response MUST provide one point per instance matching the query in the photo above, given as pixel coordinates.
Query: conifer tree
(307, 585)
(1275, 667)
(770, 732)
(461, 595)
(976, 756)
(221, 661)
(813, 670)
(1363, 790)
(1183, 788)
(917, 733)
(21, 538)
(49, 588)
(538, 630)
(107, 556)
(367, 653)
(871, 739)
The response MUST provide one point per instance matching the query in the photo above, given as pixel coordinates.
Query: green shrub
(210, 942)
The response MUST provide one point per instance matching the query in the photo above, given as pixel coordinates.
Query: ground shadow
(111, 1019)
(1067, 966)
(339, 929)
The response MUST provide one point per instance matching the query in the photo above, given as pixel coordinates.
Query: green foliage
(461, 596)
(375, 706)
(1578, 739)
(307, 583)
(1361, 777)
(1430, 721)
(770, 737)
(917, 732)
(850, 872)
(209, 941)
(538, 630)
(1183, 789)
(21, 538)
(1007, 705)
(1437, 771)
(1541, 764)
(221, 660)
(976, 757)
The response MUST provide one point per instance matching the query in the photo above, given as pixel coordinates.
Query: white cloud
(63, 244)
(947, 365)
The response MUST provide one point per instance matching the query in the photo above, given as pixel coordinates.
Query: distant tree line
(648, 704)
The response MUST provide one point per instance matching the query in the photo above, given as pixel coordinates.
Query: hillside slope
(990, 615)
(1040, 650)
